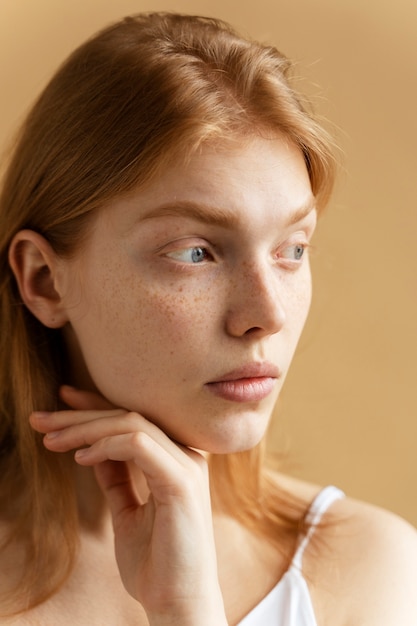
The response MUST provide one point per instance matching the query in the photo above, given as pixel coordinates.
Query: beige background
(348, 414)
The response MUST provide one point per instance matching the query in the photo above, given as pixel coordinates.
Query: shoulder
(369, 565)
(361, 566)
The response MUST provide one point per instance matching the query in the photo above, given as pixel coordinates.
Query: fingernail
(80, 453)
(53, 434)
(41, 414)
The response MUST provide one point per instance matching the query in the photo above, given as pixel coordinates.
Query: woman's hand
(164, 547)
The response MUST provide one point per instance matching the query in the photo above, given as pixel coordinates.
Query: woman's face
(189, 297)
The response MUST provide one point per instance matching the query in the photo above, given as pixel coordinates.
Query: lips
(251, 383)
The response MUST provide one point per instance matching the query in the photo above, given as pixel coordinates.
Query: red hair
(148, 89)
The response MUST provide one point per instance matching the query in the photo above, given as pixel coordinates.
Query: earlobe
(35, 266)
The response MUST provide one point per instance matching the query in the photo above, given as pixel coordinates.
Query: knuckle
(131, 417)
(129, 422)
(138, 440)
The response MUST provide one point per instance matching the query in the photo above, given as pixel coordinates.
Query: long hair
(146, 90)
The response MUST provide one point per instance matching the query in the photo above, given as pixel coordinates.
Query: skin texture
(154, 327)
(184, 307)
(157, 311)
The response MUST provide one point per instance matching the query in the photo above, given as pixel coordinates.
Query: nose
(255, 304)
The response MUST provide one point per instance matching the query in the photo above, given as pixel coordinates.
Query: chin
(236, 430)
(227, 443)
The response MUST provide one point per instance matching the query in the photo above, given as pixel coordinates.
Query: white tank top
(289, 602)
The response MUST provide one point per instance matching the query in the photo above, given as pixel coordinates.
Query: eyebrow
(216, 216)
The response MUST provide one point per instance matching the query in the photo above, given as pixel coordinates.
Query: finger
(116, 482)
(132, 446)
(45, 422)
(163, 472)
(84, 400)
(62, 434)
(86, 433)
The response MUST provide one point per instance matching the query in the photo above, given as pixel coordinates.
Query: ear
(36, 269)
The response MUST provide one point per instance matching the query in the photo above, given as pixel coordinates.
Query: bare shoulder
(361, 566)
(369, 566)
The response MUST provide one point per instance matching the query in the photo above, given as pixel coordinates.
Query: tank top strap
(317, 509)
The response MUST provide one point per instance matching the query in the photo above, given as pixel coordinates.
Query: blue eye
(298, 251)
(295, 252)
(194, 255)
(198, 255)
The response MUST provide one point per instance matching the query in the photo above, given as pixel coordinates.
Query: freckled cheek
(151, 314)
(179, 315)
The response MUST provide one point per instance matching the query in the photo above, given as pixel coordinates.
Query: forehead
(234, 158)
(222, 179)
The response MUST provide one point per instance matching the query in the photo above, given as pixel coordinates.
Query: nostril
(255, 311)
(253, 330)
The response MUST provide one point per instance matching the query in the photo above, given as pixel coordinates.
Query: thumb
(116, 484)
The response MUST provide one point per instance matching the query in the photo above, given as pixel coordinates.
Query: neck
(92, 506)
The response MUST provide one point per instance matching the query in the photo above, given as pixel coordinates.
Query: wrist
(179, 619)
(199, 613)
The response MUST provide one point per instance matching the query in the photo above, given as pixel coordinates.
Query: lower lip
(243, 389)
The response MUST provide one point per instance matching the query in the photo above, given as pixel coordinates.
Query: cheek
(299, 303)
(146, 337)
(144, 322)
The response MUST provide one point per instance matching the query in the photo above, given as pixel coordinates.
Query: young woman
(154, 231)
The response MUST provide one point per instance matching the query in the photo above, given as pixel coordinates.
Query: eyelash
(298, 247)
(176, 254)
(200, 254)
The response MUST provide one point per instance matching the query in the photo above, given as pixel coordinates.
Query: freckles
(182, 314)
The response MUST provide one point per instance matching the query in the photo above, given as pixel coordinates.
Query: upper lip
(250, 370)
